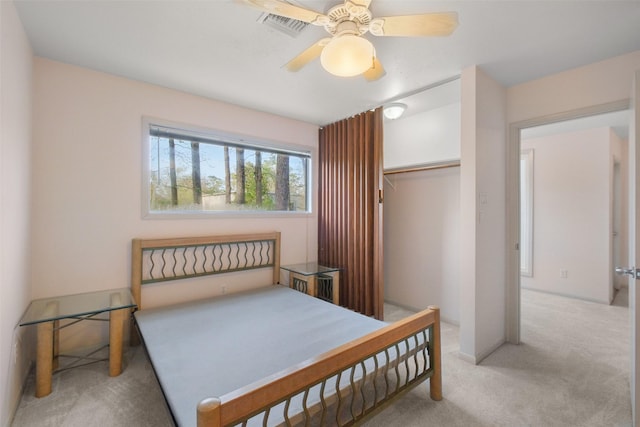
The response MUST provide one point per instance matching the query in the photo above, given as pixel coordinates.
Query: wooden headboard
(157, 260)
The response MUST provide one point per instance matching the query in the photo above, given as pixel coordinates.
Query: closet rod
(452, 164)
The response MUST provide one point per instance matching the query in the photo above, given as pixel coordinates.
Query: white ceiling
(217, 49)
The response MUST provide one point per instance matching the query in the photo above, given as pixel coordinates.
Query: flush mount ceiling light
(348, 55)
(394, 111)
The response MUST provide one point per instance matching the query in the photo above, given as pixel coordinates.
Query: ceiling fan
(347, 53)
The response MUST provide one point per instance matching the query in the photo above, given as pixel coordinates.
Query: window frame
(249, 142)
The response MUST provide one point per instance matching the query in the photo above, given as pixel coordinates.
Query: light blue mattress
(212, 347)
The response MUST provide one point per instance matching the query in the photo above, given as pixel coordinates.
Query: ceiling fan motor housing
(348, 16)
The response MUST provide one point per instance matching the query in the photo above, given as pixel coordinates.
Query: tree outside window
(191, 172)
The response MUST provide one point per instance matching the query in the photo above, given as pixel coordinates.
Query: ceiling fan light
(347, 55)
(394, 111)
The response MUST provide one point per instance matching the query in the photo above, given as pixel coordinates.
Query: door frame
(512, 272)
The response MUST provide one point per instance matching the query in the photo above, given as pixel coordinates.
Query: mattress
(211, 347)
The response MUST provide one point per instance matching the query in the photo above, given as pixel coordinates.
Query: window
(194, 171)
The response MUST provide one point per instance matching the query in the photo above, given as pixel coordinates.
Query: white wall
(430, 136)
(87, 180)
(571, 213)
(482, 207)
(15, 171)
(421, 240)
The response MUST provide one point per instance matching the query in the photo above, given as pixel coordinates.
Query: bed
(271, 355)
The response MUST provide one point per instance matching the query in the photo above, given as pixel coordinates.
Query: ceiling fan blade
(285, 9)
(307, 56)
(428, 24)
(375, 72)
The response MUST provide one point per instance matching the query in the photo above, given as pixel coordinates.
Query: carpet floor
(572, 369)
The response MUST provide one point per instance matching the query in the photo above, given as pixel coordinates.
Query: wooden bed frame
(417, 336)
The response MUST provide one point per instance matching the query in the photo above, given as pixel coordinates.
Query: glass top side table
(316, 280)
(309, 268)
(72, 306)
(46, 314)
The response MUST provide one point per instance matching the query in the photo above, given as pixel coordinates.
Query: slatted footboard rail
(342, 387)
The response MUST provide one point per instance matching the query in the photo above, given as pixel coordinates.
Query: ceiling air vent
(289, 26)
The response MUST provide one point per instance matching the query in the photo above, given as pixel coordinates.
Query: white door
(634, 245)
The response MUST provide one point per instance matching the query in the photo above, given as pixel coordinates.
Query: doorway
(513, 256)
(513, 202)
(576, 173)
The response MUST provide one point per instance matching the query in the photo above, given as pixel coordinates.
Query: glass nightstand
(46, 314)
(316, 280)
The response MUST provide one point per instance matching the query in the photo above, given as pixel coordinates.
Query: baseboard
(467, 357)
(476, 360)
(560, 294)
(490, 350)
(20, 366)
(403, 306)
(444, 319)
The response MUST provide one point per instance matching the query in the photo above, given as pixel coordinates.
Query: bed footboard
(341, 387)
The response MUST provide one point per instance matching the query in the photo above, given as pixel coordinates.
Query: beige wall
(87, 181)
(15, 171)
(572, 213)
(595, 84)
(482, 215)
(490, 198)
(421, 240)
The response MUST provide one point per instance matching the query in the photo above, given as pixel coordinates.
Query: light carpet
(572, 369)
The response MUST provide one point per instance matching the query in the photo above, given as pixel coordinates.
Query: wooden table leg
(336, 287)
(116, 336)
(47, 349)
(44, 358)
